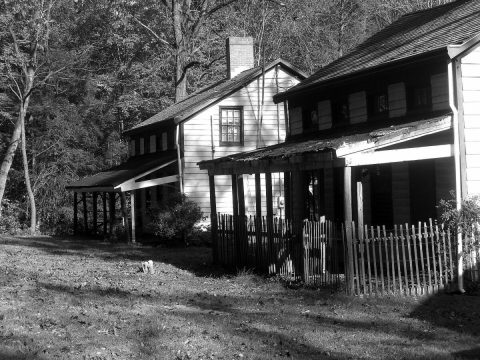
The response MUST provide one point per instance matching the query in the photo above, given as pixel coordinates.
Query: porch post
(112, 213)
(242, 239)
(95, 214)
(268, 189)
(75, 213)
(235, 219)
(347, 205)
(104, 206)
(235, 195)
(213, 217)
(360, 209)
(132, 213)
(85, 212)
(258, 220)
(123, 202)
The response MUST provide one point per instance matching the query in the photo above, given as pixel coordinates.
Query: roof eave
(455, 51)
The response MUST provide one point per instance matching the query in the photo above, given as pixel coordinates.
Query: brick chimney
(239, 55)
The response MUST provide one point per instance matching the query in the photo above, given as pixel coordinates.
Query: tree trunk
(16, 135)
(31, 197)
(9, 155)
(180, 73)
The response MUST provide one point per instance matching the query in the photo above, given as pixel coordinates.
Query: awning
(351, 149)
(136, 173)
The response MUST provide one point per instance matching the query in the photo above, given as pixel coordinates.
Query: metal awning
(350, 149)
(130, 175)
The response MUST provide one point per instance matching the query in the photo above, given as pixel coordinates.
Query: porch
(123, 195)
(382, 177)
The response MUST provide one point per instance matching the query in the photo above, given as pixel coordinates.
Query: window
(231, 126)
(379, 103)
(419, 97)
(340, 111)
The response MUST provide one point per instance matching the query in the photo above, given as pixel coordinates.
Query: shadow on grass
(194, 259)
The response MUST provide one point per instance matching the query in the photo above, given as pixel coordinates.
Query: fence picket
(399, 271)
(409, 252)
(380, 250)
(439, 252)
(427, 254)
(367, 246)
(374, 243)
(434, 260)
(404, 258)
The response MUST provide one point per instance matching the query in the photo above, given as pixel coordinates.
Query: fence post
(347, 202)
(213, 217)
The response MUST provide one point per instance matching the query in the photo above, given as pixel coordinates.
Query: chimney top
(239, 55)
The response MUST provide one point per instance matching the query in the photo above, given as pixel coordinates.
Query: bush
(10, 219)
(57, 221)
(175, 221)
(467, 219)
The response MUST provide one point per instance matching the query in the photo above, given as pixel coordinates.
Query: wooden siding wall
(439, 83)
(357, 104)
(324, 109)
(295, 116)
(397, 100)
(470, 66)
(198, 144)
(400, 193)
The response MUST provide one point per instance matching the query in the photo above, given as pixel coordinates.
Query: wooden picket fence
(311, 252)
(408, 260)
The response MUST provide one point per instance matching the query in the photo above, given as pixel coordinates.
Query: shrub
(57, 221)
(10, 219)
(467, 219)
(175, 220)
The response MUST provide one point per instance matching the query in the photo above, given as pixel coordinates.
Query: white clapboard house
(385, 131)
(232, 115)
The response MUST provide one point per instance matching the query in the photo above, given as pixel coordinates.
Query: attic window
(231, 126)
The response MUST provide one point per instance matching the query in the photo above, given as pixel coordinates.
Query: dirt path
(74, 299)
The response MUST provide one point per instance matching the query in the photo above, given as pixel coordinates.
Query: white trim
(400, 155)
(150, 171)
(134, 185)
(355, 147)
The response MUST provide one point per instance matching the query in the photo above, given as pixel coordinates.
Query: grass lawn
(74, 299)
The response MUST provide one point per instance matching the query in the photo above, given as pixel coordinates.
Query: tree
(187, 37)
(28, 62)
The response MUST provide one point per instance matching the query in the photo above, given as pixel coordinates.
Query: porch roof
(324, 149)
(118, 178)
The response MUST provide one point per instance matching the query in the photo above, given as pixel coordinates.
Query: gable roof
(412, 35)
(209, 95)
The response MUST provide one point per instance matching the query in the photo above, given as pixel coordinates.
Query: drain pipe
(458, 187)
(179, 158)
